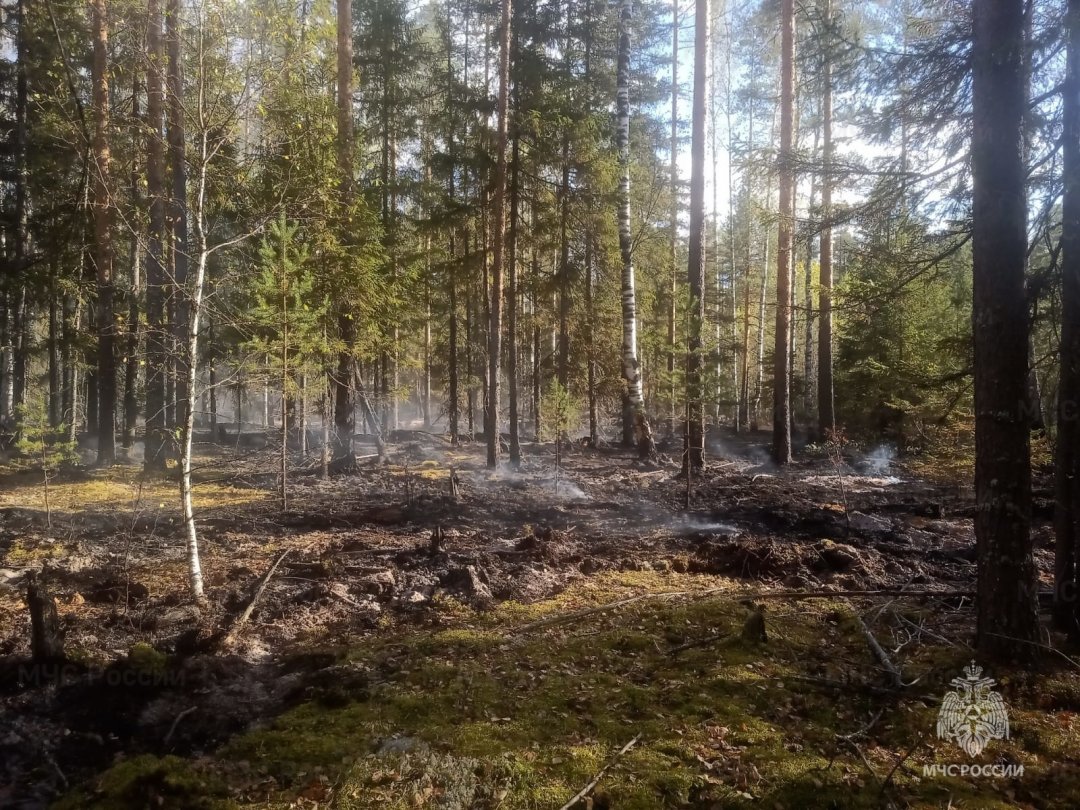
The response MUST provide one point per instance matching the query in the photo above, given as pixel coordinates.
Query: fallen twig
(826, 594)
(348, 600)
(843, 686)
(699, 642)
(895, 678)
(1040, 646)
(866, 763)
(581, 794)
(864, 730)
(238, 625)
(918, 628)
(900, 762)
(563, 618)
(176, 722)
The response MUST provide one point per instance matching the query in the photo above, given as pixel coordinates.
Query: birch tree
(631, 365)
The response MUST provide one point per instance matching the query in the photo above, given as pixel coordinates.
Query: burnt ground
(393, 547)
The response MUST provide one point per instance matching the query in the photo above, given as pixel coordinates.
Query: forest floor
(503, 663)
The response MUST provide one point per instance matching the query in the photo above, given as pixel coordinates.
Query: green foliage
(562, 411)
(286, 313)
(41, 444)
(904, 326)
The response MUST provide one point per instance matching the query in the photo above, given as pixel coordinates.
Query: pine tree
(1008, 601)
(695, 434)
(103, 249)
(781, 438)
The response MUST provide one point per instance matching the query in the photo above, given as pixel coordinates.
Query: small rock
(402, 745)
(11, 578)
(797, 581)
(386, 514)
(177, 616)
(114, 591)
(239, 572)
(469, 579)
(869, 524)
(835, 557)
(414, 597)
(590, 565)
(381, 583)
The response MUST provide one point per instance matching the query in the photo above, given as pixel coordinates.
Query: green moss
(144, 658)
(148, 781)
(22, 554)
(501, 717)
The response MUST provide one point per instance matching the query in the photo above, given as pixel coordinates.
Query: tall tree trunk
(22, 214)
(512, 299)
(54, 401)
(21, 348)
(590, 254)
(1007, 618)
(178, 203)
(695, 433)
(673, 225)
(454, 399)
(498, 239)
(562, 364)
(394, 380)
(537, 340)
(191, 349)
(590, 343)
(825, 401)
(6, 357)
(131, 349)
(1067, 463)
(103, 249)
(809, 361)
(156, 344)
(781, 438)
(344, 403)
(212, 382)
(425, 384)
(717, 255)
(69, 368)
(759, 383)
(470, 320)
(284, 493)
(738, 351)
(631, 366)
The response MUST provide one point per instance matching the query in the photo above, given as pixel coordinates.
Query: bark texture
(1007, 622)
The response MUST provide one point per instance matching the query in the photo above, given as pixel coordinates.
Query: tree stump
(46, 635)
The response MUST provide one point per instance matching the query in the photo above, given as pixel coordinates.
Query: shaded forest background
(410, 262)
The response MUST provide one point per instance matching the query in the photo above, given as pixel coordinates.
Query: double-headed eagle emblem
(972, 714)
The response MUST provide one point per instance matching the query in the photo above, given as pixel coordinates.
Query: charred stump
(46, 634)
